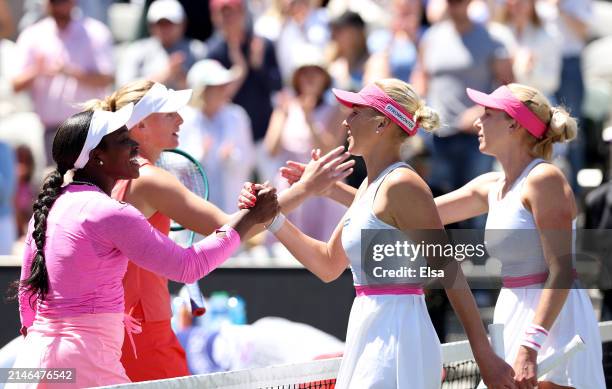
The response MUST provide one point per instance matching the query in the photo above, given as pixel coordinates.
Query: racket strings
(190, 174)
(187, 172)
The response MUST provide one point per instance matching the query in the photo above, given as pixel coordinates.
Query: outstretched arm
(121, 226)
(297, 173)
(320, 176)
(158, 190)
(469, 201)
(326, 260)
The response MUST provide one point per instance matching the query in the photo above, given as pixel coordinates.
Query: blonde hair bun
(405, 95)
(427, 118)
(563, 127)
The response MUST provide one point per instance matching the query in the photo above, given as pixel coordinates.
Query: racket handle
(196, 299)
(561, 356)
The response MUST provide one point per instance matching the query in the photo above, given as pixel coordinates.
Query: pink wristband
(534, 337)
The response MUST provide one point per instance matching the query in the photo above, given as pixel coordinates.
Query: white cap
(170, 10)
(159, 99)
(209, 72)
(102, 123)
(308, 55)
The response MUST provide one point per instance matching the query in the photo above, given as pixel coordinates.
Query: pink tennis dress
(80, 323)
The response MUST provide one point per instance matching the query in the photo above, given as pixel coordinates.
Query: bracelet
(276, 223)
(535, 336)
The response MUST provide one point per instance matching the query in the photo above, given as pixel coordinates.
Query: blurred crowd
(262, 71)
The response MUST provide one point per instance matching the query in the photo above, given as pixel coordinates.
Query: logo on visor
(396, 113)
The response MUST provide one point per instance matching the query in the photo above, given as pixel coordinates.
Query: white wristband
(276, 223)
(534, 337)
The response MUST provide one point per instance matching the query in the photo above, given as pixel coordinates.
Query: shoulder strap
(523, 177)
(120, 189)
(376, 184)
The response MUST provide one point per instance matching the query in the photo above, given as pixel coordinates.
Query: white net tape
(308, 372)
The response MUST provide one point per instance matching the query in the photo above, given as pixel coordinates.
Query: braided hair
(67, 145)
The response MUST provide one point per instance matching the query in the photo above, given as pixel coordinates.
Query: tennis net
(460, 372)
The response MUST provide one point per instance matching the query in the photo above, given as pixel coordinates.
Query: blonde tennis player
(390, 341)
(531, 217)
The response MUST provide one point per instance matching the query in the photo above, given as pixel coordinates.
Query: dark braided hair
(67, 146)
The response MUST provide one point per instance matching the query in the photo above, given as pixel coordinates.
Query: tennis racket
(562, 356)
(191, 174)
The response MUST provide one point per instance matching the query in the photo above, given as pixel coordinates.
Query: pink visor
(503, 99)
(374, 97)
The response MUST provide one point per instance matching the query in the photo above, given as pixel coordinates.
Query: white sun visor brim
(102, 123)
(159, 99)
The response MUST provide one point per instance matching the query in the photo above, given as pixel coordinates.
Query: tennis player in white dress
(530, 229)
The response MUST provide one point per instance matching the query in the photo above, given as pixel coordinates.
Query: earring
(100, 163)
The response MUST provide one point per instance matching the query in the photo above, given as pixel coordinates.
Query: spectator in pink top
(77, 247)
(63, 60)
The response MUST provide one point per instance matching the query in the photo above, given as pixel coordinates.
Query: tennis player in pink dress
(77, 248)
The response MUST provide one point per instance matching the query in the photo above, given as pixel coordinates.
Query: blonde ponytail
(129, 93)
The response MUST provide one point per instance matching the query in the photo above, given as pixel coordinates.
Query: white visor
(102, 123)
(209, 72)
(159, 99)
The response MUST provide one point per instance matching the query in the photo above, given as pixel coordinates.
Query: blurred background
(261, 72)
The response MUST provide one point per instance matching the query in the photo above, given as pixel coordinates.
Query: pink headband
(503, 99)
(374, 97)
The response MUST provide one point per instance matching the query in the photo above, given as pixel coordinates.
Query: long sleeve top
(89, 239)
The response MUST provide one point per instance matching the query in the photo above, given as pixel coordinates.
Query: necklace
(83, 183)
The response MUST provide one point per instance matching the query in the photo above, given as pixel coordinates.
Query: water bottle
(237, 310)
(218, 312)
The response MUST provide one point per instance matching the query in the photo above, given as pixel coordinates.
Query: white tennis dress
(390, 341)
(524, 271)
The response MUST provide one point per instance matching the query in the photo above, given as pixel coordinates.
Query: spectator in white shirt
(535, 46)
(217, 132)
